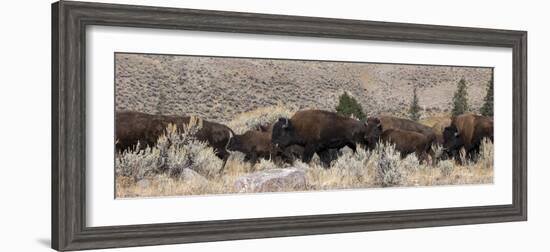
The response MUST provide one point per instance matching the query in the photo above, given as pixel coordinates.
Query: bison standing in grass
(467, 131)
(133, 127)
(318, 132)
(407, 142)
(391, 122)
(407, 136)
(254, 144)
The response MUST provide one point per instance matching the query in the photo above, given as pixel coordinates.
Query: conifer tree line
(460, 99)
(349, 106)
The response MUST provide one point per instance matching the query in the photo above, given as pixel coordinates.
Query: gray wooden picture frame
(69, 22)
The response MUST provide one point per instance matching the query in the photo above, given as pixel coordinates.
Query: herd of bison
(315, 131)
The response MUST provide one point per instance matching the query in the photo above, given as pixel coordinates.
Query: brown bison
(415, 136)
(289, 154)
(468, 130)
(407, 142)
(438, 129)
(442, 132)
(391, 122)
(254, 144)
(257, 144)
(318, 131)
(133, 127)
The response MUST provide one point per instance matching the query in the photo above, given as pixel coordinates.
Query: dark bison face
(235, 144)
(283, 134)
(452, 142)
(373, 132)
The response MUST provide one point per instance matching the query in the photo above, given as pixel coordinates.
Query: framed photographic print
(177, 125)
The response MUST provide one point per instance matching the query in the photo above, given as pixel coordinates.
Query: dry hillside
(217, 88)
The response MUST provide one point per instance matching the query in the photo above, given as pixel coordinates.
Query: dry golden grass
(250, 120)
(350, 171)
(434, 118)
(318, 178)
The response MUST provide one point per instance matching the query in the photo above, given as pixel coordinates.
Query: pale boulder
(272, 180)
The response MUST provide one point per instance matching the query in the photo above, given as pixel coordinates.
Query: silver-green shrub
(352, 165)
(438, 151)
(410, 163)
(265, 164)
(446, 167)
(486, 153)
(137, 163)
(388, 170)
(173, 152)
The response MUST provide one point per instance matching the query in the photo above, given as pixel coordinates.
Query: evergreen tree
(347, 106)
(414, 110)
(460, 99)
(487, 108)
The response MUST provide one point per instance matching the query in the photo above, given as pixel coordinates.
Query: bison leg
(352, 146)
(309, 150)
(431, 154)
(475, 151)
(224, 159)
(326, 157)
(288, 156)
(223, 155)
(253, 157)
(422, 156)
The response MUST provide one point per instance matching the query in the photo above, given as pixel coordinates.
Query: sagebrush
(180, 165)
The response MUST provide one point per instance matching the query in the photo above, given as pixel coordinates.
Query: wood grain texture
(69, 21)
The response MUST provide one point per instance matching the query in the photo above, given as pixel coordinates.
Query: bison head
(452, 141)
(373, 132)
(283, 134)
(235, 143)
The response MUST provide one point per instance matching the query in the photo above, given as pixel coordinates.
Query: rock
(273, 180)
(189, 175)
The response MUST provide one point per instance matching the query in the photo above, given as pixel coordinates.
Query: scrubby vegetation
(174, 152)
(181, 165)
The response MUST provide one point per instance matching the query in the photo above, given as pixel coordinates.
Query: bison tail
(231, 135)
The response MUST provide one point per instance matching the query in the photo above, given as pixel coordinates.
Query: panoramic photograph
(199, 125)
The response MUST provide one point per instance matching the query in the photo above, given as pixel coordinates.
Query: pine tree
(348, 106)
(414, 110)
(487, 108)
(460, 99)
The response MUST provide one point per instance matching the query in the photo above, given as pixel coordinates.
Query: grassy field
(318, 179)
(189, 167)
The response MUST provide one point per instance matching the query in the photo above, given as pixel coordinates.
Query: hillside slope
(217, 88)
